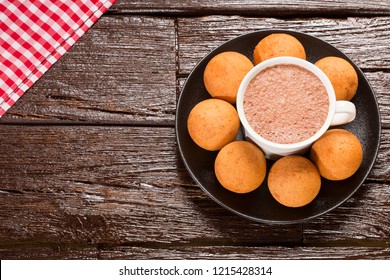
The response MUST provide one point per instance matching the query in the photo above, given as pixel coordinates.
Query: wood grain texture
(111, 186)
(62, 251)
(47, 252)
(351, 221)
(380, 83)
(381, 168)
(122, 70)
(247, 253)
(252, 7)
(364, 40)
(85, 185)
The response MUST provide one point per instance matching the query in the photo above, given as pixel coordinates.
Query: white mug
(340, 112)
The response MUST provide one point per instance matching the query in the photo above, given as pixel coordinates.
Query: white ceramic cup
(340, 112)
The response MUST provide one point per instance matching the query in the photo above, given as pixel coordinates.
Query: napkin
(34, 35)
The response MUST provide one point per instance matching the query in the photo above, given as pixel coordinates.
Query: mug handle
(345, 112)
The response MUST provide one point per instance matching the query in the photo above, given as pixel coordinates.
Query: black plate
(259, 205)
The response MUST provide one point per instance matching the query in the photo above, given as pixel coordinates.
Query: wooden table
(90, 169)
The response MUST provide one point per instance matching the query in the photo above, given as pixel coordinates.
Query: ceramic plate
(259, 205)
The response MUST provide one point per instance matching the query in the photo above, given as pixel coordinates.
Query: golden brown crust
(213, 123)
(342, 76)
(224, 73)
(278, 44)
(240, 167)
(337, 154)
(294, 181)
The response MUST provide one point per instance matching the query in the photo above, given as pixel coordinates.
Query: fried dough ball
(240, 167)
(278, 44)
(342, 76)
(213, 123)
(294, 181)
(337, 154)
(224, 73)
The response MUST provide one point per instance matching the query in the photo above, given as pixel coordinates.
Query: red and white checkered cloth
(34, 34)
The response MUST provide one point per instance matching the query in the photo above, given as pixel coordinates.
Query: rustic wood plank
(364, 40)
(57, 252)
(61, 251)
(247, 253)
(126, 76)
(111, 185)
(380, 83)
(253, 7)
(126, 186)
(104, 185)
(381, 168)
(363, 220)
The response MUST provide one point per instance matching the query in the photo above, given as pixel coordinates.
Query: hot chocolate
(286, 104)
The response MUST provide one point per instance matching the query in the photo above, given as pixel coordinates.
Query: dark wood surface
(89, 166)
